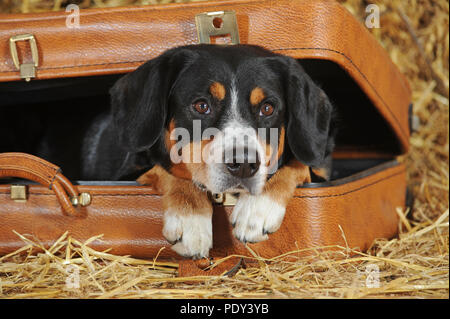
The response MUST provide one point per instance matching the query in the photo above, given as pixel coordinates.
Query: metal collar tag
(225, 199)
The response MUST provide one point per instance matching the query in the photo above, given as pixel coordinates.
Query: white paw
(254, 217)
(191, 235)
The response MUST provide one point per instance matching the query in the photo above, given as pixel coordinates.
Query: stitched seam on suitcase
(360, 72)
(27, 156)
(356, 189)
(39, 174)
(80, 66)
(157, 195)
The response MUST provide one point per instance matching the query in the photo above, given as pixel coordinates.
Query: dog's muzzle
(237, 161)
(243, 164)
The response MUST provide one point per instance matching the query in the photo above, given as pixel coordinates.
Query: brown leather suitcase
(69, 70)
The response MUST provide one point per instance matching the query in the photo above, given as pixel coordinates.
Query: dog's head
(223, 116)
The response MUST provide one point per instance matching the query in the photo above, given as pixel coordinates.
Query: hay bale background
(415, 33)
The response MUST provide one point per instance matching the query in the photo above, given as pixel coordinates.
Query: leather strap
(209, 267)
(29, 167)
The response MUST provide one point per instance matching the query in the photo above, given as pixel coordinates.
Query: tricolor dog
(215, 118)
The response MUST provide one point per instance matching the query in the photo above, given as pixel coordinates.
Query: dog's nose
(243, 166)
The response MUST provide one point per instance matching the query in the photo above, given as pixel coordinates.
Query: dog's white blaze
(237, 128)
(234, 102)
(253, 215)
(195, 231)
(232, 138)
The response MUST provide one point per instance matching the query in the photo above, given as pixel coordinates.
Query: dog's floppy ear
(139, 100)
(310, 114)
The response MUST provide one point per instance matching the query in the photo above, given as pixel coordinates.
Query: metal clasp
(19, 193)
(215, 24)
(84, 199)
(225, 199)
(27, 70)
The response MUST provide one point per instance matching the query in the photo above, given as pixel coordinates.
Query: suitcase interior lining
(28, 111)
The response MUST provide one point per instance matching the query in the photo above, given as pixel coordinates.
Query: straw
(413, 265)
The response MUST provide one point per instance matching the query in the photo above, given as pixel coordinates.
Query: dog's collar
(224, 199)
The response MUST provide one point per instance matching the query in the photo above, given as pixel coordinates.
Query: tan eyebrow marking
(256, 96)
(217, 90)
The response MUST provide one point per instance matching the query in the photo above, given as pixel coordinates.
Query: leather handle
(33, 168)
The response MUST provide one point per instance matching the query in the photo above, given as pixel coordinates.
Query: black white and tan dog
(232, 89)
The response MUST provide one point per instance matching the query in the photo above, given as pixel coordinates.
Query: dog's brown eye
(202, 107)
(266, 109)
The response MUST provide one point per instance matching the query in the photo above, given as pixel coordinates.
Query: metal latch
(19, 193)
(84, 199)
(216, 24)
(225, 199)
(27, 70)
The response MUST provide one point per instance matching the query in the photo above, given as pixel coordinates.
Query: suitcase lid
(334, 47)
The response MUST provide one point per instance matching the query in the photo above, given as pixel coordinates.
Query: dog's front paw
(254, 217)
(190, 234)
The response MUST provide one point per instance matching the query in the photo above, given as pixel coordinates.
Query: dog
(220, 100)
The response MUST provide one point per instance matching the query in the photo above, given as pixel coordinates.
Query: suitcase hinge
(27, 70)
(217, 24)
